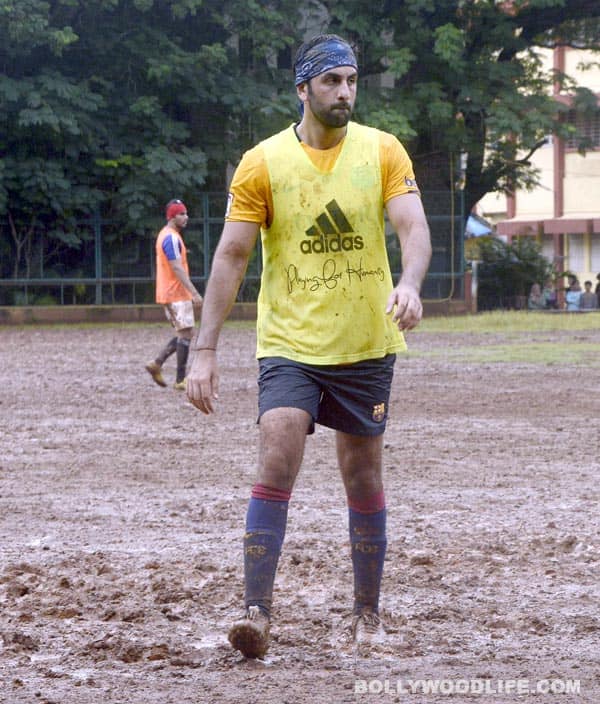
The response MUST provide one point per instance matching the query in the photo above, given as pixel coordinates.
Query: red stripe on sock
(367, 504)
(269, 493)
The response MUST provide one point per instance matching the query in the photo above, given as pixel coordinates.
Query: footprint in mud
(19, 642)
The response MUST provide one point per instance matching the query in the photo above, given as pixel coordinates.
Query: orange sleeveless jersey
(170, 246)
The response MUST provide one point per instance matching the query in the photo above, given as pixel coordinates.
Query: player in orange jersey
(176, 292)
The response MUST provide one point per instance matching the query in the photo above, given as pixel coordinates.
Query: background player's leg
(183, 351)
(154, 368)
(166, 351)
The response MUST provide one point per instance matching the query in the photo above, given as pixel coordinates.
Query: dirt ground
(122, 511)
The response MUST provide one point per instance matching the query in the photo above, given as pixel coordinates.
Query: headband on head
(322, 57)
(174, 208)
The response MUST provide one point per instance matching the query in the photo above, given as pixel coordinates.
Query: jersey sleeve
(171, 247)
(397, 172)
(249, 198)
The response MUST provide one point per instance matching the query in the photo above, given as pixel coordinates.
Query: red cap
(174, 208)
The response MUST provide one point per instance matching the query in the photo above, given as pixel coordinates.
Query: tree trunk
(22, 244)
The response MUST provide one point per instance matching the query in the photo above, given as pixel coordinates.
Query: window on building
(575, 252)
(548, 247)
(587, 125)
(595, 253)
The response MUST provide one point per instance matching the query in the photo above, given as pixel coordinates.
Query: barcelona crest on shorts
(378, 412)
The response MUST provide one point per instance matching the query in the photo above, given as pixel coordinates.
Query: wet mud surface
(122, 511)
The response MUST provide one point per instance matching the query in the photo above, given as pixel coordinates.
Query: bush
(507, 271)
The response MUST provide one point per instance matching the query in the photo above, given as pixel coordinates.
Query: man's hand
(408, 307)
(202, 382)
(197, 302)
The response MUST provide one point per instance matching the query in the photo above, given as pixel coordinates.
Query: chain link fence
(111, 267)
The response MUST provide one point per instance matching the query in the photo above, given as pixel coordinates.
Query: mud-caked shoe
(250, 635)
(367, 628)
(155, 372)
(180, 385)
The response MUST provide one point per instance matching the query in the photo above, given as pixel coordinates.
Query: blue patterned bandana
(323, 57)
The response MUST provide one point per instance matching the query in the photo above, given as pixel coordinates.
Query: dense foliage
(113, 106)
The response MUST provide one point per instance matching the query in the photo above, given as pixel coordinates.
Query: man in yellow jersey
(330, 319)
(176, 292)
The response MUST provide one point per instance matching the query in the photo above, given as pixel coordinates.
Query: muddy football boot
(250, 635)
(367, 628)
(155, 372)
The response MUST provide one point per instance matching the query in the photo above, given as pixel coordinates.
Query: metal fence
(115, 268)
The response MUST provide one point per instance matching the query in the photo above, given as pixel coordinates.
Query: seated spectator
(549, 294)
(589, 299)
(536, 299)
(573, 295)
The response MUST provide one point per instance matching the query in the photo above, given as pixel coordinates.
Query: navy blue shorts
(352, 398)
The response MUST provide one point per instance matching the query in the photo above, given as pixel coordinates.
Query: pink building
(563, 211)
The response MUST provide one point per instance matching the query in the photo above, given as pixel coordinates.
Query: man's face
(181, 221)
(331, 95)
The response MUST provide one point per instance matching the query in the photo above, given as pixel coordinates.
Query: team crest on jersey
(378, 412)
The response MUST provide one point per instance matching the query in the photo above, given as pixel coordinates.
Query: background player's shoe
(367, 628)
(250, 635)
(179, 385)
(155, 372)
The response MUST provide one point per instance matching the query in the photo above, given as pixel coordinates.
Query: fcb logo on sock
(378, 412)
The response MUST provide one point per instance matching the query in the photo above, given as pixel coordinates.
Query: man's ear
(302, 91)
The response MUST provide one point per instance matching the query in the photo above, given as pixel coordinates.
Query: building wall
(575, 61)
(563, 211)
(540, 201)
(581, 184)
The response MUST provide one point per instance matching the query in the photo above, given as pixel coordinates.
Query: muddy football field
(122, 511)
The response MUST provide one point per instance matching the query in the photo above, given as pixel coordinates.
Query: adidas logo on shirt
(331, 233)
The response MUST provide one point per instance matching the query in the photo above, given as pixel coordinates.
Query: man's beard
(334, 116)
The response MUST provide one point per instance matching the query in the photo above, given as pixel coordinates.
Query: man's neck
(318, 136)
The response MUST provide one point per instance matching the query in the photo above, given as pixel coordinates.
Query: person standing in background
(176, 292)
(588, 300)
(536, 300)
(573, 295)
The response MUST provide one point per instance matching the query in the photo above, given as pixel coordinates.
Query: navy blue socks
(367, 521)
(266, 521)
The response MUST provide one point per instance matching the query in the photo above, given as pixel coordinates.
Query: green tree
(116, 106)
(469, 81)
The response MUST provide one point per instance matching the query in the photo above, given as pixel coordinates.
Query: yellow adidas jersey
(326, 276)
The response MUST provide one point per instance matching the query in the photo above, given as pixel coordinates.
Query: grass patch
(542, 353)
(509, 322)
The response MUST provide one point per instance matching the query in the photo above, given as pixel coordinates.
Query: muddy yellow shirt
(326, 276)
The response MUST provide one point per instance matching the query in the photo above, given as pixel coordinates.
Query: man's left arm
(406, 214)
(182, 275)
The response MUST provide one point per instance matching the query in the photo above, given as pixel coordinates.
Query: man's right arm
(227, 271)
